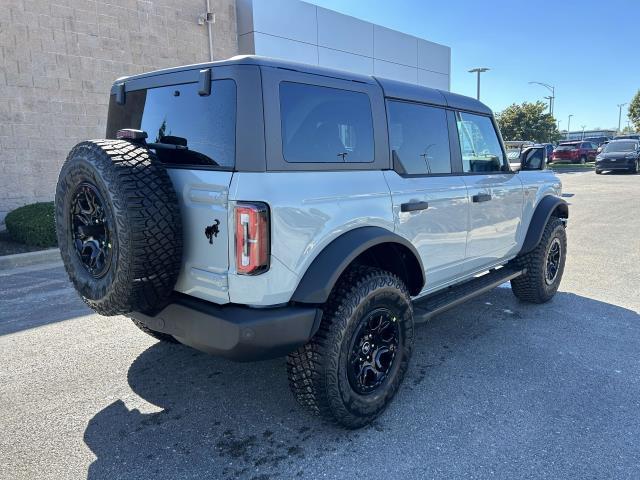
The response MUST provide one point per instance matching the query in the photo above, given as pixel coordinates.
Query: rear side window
(419, 138)
(481, 151)
(188, 129)
(325, 125)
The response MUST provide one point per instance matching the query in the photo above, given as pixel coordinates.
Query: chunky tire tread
(163, 337)
(531, 287)
(148, 229)
(313, 368)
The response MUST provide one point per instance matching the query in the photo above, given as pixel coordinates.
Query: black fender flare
(323, 273)
(543, 212)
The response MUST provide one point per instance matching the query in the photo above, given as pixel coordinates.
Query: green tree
(528, 122)
(634, 111)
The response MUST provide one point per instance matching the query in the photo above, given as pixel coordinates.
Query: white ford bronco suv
(253, 208)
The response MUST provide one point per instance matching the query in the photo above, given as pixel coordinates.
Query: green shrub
(33, 225)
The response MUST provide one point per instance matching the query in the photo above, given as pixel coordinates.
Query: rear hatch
(565, 151)
(194, 136)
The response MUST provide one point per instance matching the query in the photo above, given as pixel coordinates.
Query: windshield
(620, 147)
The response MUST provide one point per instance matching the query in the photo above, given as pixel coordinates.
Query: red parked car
(575, 152)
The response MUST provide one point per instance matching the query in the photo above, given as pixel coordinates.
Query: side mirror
(533, 158)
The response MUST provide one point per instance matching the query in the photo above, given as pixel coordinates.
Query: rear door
(193, 132)
(496, 194)
(430, 201)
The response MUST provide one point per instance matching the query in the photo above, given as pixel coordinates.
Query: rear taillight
(252, 238)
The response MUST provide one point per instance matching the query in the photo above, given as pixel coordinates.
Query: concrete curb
(7, 262)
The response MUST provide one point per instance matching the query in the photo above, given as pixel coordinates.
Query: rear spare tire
(119, 227)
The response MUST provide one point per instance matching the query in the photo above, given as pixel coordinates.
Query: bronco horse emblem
(212, 231)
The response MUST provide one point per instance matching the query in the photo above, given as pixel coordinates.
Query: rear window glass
(325, 125)
(621, 146)
(186, 128)
(419, 138)
(566, 147)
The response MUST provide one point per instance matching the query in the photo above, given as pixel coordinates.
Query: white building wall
(302, 32)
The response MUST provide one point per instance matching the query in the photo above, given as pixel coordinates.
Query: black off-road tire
(318, 370)
(163, 337)
(143, 217)
(532, 286)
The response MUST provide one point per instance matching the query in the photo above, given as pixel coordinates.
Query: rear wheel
(636, 167)
(583, 160)
(544, 265)
(598, 172)
(351, 369)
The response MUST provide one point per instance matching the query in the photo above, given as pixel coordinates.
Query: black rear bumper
(235, 331)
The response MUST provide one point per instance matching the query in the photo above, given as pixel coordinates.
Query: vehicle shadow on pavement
(221, 419)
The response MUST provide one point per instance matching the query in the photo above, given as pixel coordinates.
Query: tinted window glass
(201, 127)
(419, 138)
(621, 146)
(325, 125)
(479, 143)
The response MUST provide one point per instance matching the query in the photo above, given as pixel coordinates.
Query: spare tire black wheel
(119, 227)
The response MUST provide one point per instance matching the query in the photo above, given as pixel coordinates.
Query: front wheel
(544, 265)
(352, 368)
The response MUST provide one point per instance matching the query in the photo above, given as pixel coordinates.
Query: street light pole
(620, 105)
(583, 127)
(478, 70)
(552, 89)
(569, 126)
(550, 104)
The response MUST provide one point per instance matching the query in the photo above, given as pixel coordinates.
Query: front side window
(481, 151)
(419, 138)
(325, 125)
(187, 128)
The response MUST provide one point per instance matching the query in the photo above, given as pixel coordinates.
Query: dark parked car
(631, 136)
(597, 141)
(575, 152)
(620, 155)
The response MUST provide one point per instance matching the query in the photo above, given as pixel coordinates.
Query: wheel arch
(549, 206)
(374, 246)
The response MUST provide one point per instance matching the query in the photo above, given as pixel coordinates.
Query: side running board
(438, 302)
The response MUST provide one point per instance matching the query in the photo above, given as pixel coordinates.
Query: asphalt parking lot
(497, 388)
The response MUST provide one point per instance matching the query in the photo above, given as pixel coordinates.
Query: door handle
(414, 206)
(481, 197)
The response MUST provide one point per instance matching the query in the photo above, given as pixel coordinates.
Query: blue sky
(589, 50)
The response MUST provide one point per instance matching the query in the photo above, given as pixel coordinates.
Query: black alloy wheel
(90, 230)
(552, 263)
(373, 351)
